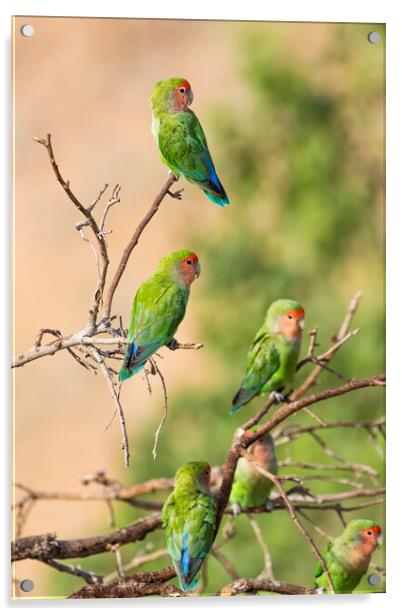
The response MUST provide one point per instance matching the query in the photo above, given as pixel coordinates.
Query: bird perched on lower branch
(189, 520)
(273, 355)
(348, 556)
(180, 138)
(159, 307)
(250, 488)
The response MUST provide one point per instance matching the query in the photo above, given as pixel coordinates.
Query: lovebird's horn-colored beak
(380, 539)
(301, 324)
(190, 97)
(197, 269)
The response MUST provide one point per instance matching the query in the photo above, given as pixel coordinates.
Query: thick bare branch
(45, 547)
(139, 585)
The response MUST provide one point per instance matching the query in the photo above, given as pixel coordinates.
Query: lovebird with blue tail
(189, 520)
(159, 307)
(274, 353)
(180, 138)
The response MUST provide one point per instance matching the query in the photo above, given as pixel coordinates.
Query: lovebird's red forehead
(376, 530)
(298, 313)
(185, 84)
(193, 256)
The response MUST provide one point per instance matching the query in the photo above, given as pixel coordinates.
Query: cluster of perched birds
(190, 513)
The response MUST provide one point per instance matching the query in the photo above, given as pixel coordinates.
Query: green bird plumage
(189, 520)
(347, 558)
(250, 488)
(180, 138)
(159, 307)
(273, 356)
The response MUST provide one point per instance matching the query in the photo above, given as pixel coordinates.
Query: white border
(286, 10)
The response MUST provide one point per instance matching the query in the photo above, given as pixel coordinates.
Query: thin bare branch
(250, 586)
(116, 400)
(134, 241)
(293, 515)
(165, 413)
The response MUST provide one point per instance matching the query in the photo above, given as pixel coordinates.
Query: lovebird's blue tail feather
(215, 191)
(221, 200)
(128, 368)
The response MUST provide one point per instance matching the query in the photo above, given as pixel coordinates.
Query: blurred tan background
(87, 82)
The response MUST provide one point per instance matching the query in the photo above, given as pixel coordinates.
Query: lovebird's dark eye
(290, 316)
(182, 90)
(369, 532)
(189, 262)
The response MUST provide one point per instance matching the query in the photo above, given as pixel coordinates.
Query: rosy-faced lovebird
(273, 355)
(159, 307)
(250, 488)
(348, 556)
(189, 520)
(180, 138)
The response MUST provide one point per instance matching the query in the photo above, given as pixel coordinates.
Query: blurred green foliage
(300, 152)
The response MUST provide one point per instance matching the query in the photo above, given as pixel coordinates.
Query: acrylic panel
(199, 308)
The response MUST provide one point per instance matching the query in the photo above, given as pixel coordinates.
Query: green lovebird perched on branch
(348, 556)
(250, 488)
(189, 520)
(273, 356)
(180, 138)
(159, 307)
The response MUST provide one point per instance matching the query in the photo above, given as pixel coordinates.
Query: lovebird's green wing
(184, 149)
(190, 528)
(249, 489)
(326, 555)
(158, 308)
(263, 360)
(340, 577)
(344, 579)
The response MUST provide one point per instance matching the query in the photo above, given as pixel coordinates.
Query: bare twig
(225, 562)
(317, 528)
(88, 576)
(337, 342)
(165, 413)
(137, 561)
(250, 586)
(293, 515)
(86, 212)
(267, 570)
(116, 400)
(134, 241)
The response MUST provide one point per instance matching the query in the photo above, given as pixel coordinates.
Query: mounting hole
(374, 579)
(27, 30)
(26, 585)
(374, 37)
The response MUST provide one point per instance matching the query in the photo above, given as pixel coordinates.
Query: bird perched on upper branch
(273, 355)
(250, 488)
(180, 138)
(348, 556)
(189, 520)
(159, 307)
